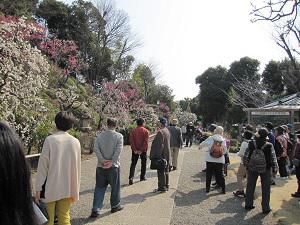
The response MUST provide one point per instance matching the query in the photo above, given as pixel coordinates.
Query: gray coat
(160, 147)
(176, 136)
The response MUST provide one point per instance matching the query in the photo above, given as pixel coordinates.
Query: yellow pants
(62, 209)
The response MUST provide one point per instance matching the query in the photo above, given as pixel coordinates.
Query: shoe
(130, 181)
(223, 192)
(174, 168)
(207, 190)
(239, 194)
(117, 209)
(296, 195)
(267, 211)
(249, 207)
(204, 170)
(143, 179)
(94, 214)
(159, 190)
(273, 182)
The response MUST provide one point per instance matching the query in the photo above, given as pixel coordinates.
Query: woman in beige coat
(58, 174)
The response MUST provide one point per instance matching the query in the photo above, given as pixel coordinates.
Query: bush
(234, 146)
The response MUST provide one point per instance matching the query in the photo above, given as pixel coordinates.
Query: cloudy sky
(184, 38)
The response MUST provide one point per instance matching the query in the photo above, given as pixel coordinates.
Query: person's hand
(37, 197)
(107, 164)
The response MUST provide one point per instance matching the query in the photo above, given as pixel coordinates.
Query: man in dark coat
(160, 148)
(190, 130)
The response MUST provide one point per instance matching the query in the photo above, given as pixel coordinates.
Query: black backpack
(257, 160)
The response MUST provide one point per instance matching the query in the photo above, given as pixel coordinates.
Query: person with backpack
(215, 160)
(260, 160)
(241, 173)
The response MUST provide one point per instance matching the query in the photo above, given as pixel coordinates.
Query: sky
(184, 38)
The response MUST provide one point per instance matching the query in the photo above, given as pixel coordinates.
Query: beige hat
(219, 130)
(174, 121)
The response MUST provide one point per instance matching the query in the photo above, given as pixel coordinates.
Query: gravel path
(193, 206)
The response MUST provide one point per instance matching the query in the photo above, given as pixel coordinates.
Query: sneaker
(117, 209)
(130, 181)
(296, 195)
(239, 194)
(94, 214)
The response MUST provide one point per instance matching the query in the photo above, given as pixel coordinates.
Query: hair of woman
(15, 190)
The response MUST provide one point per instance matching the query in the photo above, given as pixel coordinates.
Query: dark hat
(247, 134)
(212, 127)
(290, 126)
(163, 120)
(269, 125)
(249, 127)
(262, 133)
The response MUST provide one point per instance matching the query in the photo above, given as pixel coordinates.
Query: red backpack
(217, 149)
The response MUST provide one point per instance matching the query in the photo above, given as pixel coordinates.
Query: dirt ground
(285, 208)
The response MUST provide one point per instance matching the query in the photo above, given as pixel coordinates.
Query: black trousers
(265, 179)
(282, 167)
(298, 177)
(134, 159)
(163, 178)
(189, 140)
(217, 170)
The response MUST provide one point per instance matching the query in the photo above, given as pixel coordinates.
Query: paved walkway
(141, 205)
(186, 203)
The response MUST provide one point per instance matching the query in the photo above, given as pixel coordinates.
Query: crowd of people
(263, 154)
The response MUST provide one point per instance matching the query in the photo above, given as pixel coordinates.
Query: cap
(269, 125)
(163, 120)
(262, 133)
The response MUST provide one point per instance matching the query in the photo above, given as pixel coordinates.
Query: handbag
(41, 214)
(158, 164)
(296, 162)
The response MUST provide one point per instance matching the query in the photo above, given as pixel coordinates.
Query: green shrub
(43, 130)
(74, 132)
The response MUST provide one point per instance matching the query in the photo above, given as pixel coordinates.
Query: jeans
(265, 179)
(62, 210)
(104, 177)
(217, 169)
(134, 159)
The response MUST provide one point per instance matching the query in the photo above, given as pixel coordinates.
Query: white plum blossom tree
(23, 74)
